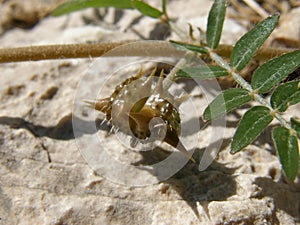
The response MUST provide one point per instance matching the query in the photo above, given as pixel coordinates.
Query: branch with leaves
(266, 79)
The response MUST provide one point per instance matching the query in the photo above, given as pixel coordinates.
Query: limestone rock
(45, 179)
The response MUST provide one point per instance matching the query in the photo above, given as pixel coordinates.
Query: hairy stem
(67, 51)
(44, 52)
(244, 84)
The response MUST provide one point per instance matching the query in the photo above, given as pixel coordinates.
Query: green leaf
(287, 148)
(185, 47)
(285, 95)
(229, 100)
(251, 125)
(76, 5)
(272, 72)
(202, 72)
(247, 46)
(164, 6)
(215, 23)
(146, 9)
(296, 126)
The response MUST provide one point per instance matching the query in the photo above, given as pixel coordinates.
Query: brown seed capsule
(130, 112)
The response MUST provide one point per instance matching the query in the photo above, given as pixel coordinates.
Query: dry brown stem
(67, 51)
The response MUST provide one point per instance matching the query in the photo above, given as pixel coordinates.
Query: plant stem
(244, 84)
(179, 65)
(44, 52)
(67, 51)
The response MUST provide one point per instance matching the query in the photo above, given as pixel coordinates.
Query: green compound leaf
(251, 125)
(296, 126)
(146, 9)
(188, 47)
(202, 72)
(287, 148)
(229, 100)
(247, 46)
(285, 95)
(75, 5)
(272, 72)
(215, 23)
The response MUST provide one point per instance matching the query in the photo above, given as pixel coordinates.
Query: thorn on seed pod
(141, 112)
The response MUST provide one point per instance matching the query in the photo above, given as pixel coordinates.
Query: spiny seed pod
(138, 100)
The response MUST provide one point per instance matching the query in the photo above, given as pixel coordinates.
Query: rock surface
(45, 180)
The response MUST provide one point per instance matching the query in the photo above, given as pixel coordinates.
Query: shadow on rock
(282, 193)
(63, 130)
(216, 183)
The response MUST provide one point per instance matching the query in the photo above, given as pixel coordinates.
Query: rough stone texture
(45, 180)
(15, 13)
(288, 34)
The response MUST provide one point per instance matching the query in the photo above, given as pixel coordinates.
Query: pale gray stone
(45, 180)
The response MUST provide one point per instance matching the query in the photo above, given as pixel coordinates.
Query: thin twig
(263, 54)
(255, 6)
(44, 52)
(68, 51)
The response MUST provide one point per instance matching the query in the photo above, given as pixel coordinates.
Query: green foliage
(146, 9)
(272, 72)
(202, 72)
(185, 47)
(76, 5)
(229, 100)
(287, 148)
(296, 126)
(246, 47)
(141, 6)
(265, 78)
(252, 124)
(215, 23)
(164, 6)
(285, 95)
